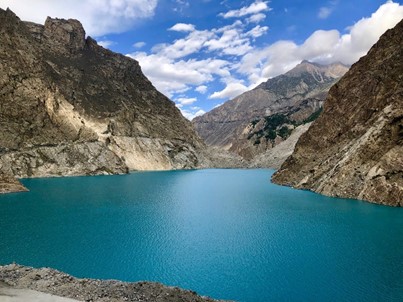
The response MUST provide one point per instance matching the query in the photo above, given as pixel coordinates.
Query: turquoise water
(228, 234)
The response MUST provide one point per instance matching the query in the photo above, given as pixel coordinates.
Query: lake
(228, 234)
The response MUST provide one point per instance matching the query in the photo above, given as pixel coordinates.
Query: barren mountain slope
(251, 123)
(355, 148)
(69, 107)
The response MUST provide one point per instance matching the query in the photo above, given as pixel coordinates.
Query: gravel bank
(53, 282)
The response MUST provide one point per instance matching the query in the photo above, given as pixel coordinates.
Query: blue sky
(201, 53)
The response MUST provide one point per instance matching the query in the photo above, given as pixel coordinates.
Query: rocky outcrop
(9, 184)
(355, 148)
(258, 120)
(60, 284)
(70, 107)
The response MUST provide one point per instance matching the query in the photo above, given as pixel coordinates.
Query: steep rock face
(69, 107)
(354, 149)
(257, 120)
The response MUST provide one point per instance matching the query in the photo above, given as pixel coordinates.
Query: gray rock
(244, 125)
(71, 107)
(354, 149)
(57, 283)
(9, 184)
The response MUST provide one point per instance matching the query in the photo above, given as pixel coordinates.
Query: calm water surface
(229, 234)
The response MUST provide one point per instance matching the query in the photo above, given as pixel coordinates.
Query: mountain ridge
(354, 149)
(298, 93)
(71, 107)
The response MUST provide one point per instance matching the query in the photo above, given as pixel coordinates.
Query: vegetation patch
(277, 125)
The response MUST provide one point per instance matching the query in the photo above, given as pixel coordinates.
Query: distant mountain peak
(307, 62)
(334, 70)
(245, 124)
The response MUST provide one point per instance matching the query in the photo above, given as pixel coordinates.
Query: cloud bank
(322, 46)
(216, 63)
(233, 59)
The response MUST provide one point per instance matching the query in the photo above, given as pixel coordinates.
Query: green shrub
(271, 135)
(284, 132)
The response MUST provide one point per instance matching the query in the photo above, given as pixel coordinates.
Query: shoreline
(37, 281)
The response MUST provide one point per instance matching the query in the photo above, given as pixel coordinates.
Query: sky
(201, 53)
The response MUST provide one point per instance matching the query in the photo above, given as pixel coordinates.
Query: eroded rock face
(70, 107)
(260, 119)
(9, 184)
(355, 148)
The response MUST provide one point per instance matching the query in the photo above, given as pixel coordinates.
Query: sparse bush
(284, 132)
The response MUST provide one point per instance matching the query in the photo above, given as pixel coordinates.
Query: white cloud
(232, 39)
(191, 114)
(257, 31)
(256, 18)
(231, 42)
(367, 31)
(105, 43)
(230, 91)
(185, 101)
(322, 46)
(192, 43)
(254, 8)
(200, 112)
(201, 89)
(320, 43)
(324, 12)
(172, 74)
(182, 27)
(139, 44)
(176, 76)
(99, 17)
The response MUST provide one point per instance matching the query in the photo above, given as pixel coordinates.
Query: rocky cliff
(257, 120)
(355, 148)
(9, 184)
(69, 107)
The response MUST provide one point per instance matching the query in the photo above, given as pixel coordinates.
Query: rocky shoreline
(9, 184)
(210, 158)
(50, 281)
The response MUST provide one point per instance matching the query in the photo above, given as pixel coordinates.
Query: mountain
(70, 107)
(261, 118)
(355, 148)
